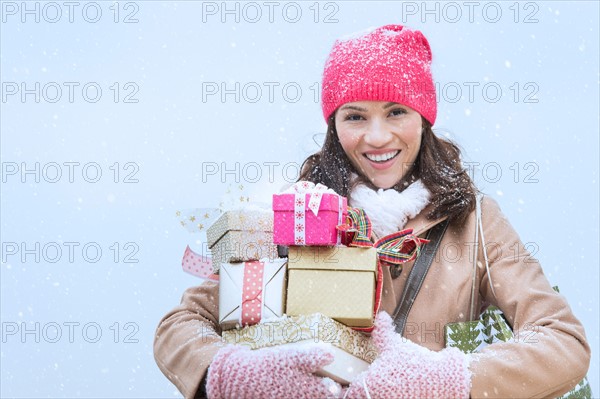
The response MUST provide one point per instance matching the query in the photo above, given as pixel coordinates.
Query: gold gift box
(353, 351)
(241, 235)
(338, 282)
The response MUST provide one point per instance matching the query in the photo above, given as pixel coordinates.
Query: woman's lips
(381, 160)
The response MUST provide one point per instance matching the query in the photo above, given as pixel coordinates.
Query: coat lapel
(420, 224)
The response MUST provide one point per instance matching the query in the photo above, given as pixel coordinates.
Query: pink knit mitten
(278, 372)
(404, 369)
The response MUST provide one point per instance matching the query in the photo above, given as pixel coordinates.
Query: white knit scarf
(389, 210)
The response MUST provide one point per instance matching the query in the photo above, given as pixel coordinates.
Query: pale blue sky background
(176, 129)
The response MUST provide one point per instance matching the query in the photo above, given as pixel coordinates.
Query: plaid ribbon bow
(400, 247)
(357, 229)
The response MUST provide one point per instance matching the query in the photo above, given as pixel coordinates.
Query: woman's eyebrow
(390, 104)
(354, 107)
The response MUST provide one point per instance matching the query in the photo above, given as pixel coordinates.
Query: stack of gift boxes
(251, 276)
(325, 291)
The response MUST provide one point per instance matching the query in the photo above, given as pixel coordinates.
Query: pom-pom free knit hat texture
(390, 63)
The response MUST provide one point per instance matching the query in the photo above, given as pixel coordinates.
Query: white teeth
(382, 157)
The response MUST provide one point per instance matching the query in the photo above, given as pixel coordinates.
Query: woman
(380, 152)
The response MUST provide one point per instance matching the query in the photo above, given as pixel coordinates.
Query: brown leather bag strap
(417, 275)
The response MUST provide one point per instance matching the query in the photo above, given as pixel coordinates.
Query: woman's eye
(397, 112)
(353, 117)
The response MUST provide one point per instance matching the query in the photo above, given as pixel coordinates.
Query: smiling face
(381, 139)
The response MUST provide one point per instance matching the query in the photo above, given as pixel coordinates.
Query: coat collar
(420, 224)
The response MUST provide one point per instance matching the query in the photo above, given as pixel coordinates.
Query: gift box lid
(251, 219)
(329, 202)
(332, 258)
(315, 327)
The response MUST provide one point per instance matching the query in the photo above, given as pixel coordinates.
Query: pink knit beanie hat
(390, 63)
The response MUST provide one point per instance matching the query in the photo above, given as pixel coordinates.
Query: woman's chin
(384, 182)
(381, 180)
(384, 179)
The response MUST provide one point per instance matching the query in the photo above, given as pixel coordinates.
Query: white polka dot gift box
(250, 292)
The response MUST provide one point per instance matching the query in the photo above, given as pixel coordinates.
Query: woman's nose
(377, 134)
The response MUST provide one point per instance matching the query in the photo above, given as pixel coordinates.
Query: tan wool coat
(547, 358)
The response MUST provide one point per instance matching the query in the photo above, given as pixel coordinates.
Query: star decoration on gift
(299, 228)
(200, 226)
(300, 202)
(299, 215)
(192, 219)
(299, 241)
